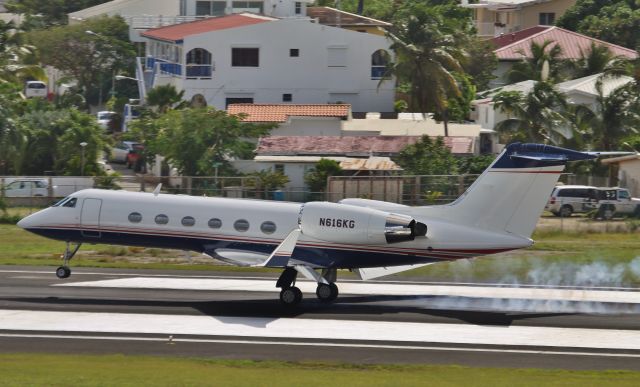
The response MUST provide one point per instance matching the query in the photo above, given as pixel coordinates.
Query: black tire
(290, 296)
(63, 272)
(608, 212)
(566, 211)
(327, 293)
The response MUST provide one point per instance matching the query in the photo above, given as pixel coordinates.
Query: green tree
(316, 177)
(52, 12)
(164, 97)
(614, 118)
(598, 59)
(193, 139)
(267, 181)
(12, 139)
(90, 59)
(18, 61)
(614, 21)
(474, 165)
(427, 157)
(534, 117)
(429, 49)
(531, 68)
(52, 142)
(481, 63)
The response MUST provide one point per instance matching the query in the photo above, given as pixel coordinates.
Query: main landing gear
(64, 271)
(290, 295)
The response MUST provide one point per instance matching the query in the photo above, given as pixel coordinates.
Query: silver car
(24, 188)
(566, 200)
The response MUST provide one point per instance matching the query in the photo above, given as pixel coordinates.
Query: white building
(249, 58)
(581, 91)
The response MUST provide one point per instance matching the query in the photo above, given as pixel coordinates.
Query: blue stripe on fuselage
(313, 256)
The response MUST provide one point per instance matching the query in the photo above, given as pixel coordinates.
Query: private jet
(497, 213)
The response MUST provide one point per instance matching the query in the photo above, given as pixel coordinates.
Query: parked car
(120, 152)
(566, 200)
(104, 119)
(615, 201)
(27, 188)
(35, 89)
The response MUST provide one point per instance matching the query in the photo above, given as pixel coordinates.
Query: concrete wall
(309, 126)
(530, 16)
(629, 176)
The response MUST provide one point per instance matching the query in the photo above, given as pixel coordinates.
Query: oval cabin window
(188, 221)
(135, 217)
(241, 225)
(162, 219)
(215, 223)
(268, 227)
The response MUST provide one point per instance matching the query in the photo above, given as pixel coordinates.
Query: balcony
(495, 29)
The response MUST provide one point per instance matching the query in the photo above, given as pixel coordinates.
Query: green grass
(108, 370)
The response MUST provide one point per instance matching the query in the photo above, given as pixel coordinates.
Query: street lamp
(82, 146)
(113, 71)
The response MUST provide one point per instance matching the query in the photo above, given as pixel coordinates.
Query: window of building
(251, 6)
(298, 8)
(210, 8)
(337, 56)
(135, 217)
(162, 219)
(199, 63)
(294, 52)
(379, 61)
(547, 18)
(215, 223)
(188, 221)
(287, 97)
(241, 225)
(245, 57)
(279, 168)
(268, 227)
(232, 100)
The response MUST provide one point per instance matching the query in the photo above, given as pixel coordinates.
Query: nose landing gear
(64, 271)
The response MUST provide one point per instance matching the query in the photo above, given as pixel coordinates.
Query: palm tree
(427, 55)
(164, 97)
(549, 51)
(534, 117)
(598, 59)
(18, 61)
(613, 117)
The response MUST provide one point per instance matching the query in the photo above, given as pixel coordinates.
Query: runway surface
(228, 315)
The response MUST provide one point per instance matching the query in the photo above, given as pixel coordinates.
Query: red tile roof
(282, 112)
(178, 32)
(506, 39)
(571, 43)
(350, 145)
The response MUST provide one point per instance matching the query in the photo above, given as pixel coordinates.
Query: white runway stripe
(577, 295)
(25, 320)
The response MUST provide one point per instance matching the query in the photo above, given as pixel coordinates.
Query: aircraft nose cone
(25, 222)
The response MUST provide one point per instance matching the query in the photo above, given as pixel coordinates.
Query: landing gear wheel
(327, 293)
(63, 272)
(291, 296)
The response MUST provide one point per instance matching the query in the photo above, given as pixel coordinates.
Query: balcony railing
(154, 21)
(493, 29)
(203, 71)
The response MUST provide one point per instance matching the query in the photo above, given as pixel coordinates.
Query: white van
(569, 199)
(35, 89)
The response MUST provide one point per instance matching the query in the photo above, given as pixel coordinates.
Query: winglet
(157, 190)
(282, 253)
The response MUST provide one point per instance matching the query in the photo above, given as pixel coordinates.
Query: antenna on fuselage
(157, 190)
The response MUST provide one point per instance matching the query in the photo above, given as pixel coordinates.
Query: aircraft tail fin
(511, 193)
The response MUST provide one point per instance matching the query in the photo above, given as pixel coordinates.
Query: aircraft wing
(376, 272)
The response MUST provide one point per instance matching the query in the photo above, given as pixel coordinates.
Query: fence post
(461, 184)
(416, 191)
(50, 187)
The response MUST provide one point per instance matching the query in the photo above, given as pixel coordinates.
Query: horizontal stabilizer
(376, 272)
(280, 256)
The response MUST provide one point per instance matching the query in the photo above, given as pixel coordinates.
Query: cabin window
(268, 227)
(71, 203)
(188, 221)
(135, 217)
(241, 225)
(215, 223)
(162, 219)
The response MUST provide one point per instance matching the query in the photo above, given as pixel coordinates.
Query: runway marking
(480, 284)
(316, 344)
(312, 329)
(572, 295)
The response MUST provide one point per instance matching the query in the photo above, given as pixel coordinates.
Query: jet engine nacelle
(343, 223)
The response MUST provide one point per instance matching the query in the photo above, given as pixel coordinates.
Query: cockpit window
(70, 203)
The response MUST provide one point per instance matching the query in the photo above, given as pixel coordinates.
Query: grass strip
(123, 370)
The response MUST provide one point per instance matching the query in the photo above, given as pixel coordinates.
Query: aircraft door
(90, 216)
